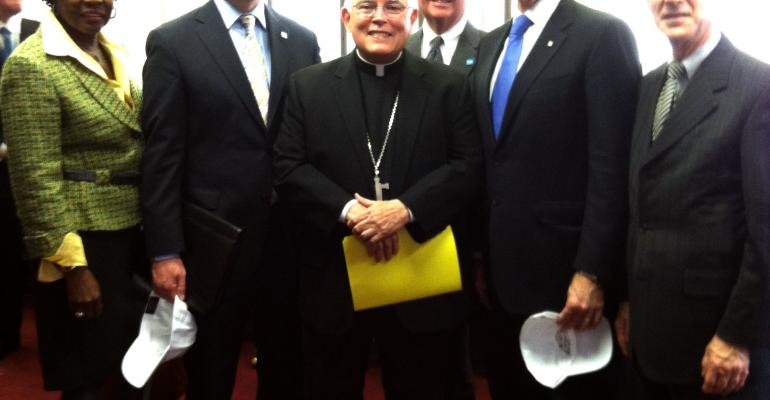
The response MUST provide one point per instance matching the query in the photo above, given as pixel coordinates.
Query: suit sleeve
(611, 85)
(438, 197)
(32, 122)
(164, 121)
(318, 198)
(745, 313)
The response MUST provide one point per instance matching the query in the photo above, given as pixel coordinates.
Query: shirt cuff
(70, 254)
(344, 214)
(165, 257)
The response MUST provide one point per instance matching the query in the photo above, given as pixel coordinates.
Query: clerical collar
(379, 69)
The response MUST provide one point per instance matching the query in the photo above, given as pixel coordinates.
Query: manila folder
(415, 272)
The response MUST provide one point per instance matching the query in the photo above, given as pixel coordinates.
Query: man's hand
(724, 367)
(383, 250)
(623, 326)
(169, 278)
(83, 293)
(381, 219)
(585, 304)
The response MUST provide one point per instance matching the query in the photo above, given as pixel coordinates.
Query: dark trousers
(15, 270)
(211, 362)
(757, 385)
(277, 324)
(414, 366)
(509, 378)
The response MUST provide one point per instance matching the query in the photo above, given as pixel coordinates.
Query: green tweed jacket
(58, 116)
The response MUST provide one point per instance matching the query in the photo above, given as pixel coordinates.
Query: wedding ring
(79, 314)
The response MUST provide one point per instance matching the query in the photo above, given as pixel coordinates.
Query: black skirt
(79, 352)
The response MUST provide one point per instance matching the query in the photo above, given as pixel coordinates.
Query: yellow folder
(417, 271)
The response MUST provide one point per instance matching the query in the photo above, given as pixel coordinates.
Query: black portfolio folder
(209, 241)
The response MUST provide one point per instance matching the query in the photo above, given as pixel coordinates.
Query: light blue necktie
(507, 73)
(7, 46)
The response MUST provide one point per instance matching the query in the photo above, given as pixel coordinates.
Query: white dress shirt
(231, 16)
(451, 39)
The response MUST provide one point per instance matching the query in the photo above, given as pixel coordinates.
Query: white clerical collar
(379, 68)
(694, 60)
(231, 15)
(452, 34)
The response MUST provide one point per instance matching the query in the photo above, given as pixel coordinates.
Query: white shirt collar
(231, 15)
(452, 34)
(539, 13)
(694, 60)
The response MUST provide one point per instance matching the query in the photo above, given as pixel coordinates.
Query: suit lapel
(645, 115)
(699, 100)
(105, 95)
(215, 37)
(484, 71)
(466, 51)
(280, 56)
(348, 96)
(545, 47)
(414, 92)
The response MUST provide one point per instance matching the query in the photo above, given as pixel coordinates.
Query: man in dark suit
(699, 232)
(555, 91)
(11, 252)
(213, 97)
(374, 142)
(447, 37)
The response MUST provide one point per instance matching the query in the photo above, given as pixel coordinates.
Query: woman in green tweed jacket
(70, 117)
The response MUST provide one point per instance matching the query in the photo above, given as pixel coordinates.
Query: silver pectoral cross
(378, 186)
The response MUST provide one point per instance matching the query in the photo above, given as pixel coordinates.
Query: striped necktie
(255, 66)
(507, 73)
(668, 96)
(435, 50)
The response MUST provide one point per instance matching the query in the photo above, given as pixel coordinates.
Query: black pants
(15, 270)
(509, 378)
(277, 324)
(757, 385)
(415, 366)
(211, 362)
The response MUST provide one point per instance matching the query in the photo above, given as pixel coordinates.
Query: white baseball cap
(552, 355)
(167, 331)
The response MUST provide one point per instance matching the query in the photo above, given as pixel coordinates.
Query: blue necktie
(507, 73)
(6, 51)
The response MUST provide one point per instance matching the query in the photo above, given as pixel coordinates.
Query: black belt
(104, 177)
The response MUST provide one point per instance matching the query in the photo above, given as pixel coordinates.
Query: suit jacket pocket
(701, 282)
(206, 198)
(563, 215)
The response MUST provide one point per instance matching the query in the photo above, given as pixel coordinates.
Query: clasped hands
(376, 223)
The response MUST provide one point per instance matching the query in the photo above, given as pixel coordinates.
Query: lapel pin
(550, 43)
(284, 35)
(469, 61)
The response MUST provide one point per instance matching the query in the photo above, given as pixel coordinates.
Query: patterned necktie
(668, 96)
(255, 66)
(507, 73)
(435, 50)
(7, 46)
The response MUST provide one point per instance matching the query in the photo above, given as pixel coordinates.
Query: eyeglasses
(391, 9)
